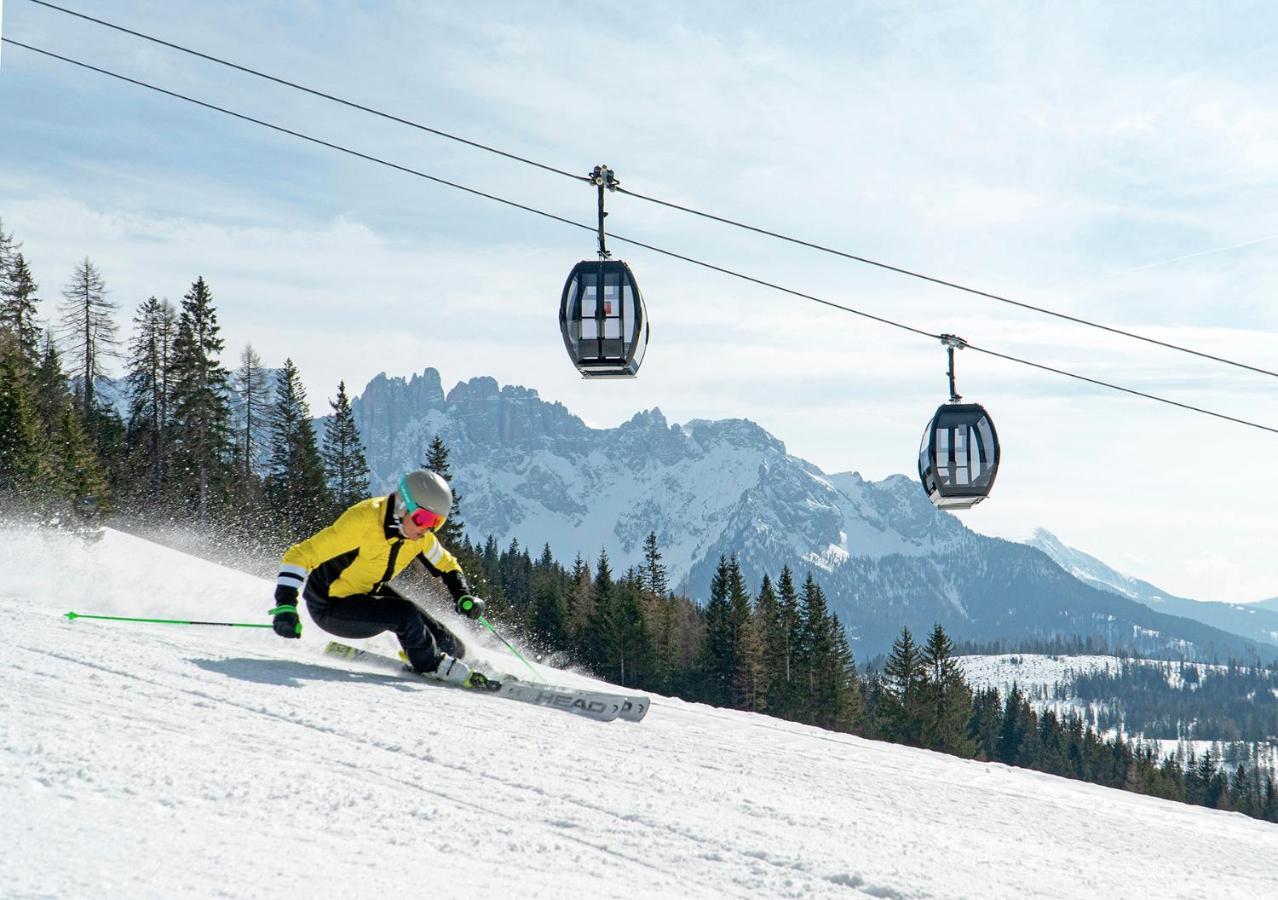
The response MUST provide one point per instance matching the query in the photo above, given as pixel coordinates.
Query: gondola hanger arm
(603, 177)
(953, 342)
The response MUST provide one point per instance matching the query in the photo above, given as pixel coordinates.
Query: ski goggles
(418, 515)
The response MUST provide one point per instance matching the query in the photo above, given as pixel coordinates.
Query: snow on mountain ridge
(1254, 621)
(1088, 568)
(530, 471)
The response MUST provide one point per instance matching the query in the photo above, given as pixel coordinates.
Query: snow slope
(154, 761)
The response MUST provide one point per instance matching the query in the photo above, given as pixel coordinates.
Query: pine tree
(899, 712)
(772, 647)
(579, 600)
(548, 617)
(515, 569)
(78, 472)
(715, 662)
(344, 459)
(18, 307)
(947, 700)
(295, 484)
(848, 702)
(88, 329)
(601, 640)
(248, 518)
(1269, 800)
(1244, 790)
(825, 662)
(666, 643)
(50, 394)
(652, 571)
(453, 531)
(635, 658)
(8, 253)
(105, 432)
(23, 469)
(986, 723)
(546, 567)
(1017, 724)
(746, 687)
(150, 390)
(490, 566)
(253, 395)
(812, 650)
(791, 626)
(201, 412)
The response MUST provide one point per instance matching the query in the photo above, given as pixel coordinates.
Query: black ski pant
(366, 615)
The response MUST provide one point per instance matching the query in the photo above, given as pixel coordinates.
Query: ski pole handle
(72, 616)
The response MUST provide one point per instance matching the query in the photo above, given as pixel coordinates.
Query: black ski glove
(470, 607)
(286, 623)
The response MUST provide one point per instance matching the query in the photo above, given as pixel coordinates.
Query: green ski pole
(489, 626)
(75, 615)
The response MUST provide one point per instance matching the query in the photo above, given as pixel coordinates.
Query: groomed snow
(154, 761)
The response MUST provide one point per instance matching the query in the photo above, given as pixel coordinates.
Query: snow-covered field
(1037, 675)
(1031, 672)
(154, 761)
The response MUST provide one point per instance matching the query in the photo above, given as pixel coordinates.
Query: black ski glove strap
(286, 623)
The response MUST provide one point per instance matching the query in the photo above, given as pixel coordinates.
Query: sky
(1109, 161)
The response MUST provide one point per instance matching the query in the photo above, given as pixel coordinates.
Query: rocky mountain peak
(531, 471)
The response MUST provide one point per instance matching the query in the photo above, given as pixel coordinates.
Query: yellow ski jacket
(360, 553)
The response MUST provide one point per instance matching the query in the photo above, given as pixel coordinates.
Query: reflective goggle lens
(424, 518)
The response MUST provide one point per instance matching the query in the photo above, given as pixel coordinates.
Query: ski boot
(452, 670)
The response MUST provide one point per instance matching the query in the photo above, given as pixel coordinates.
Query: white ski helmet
(425, 497)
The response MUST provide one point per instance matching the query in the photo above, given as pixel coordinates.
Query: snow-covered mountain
(531, 471)
(1092, 570)
(151, 761)
(1257, 621)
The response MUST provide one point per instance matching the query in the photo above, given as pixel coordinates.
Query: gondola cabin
(958, 457)
(603, 320)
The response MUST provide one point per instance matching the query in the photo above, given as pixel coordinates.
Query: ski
(635, 708)
(601, 707)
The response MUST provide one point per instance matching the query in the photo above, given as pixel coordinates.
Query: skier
(346, 568)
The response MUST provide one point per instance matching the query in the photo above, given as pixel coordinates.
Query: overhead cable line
(313, 92)
(670, 253)
(292, 133)
(949, 284)
(670, 205)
